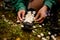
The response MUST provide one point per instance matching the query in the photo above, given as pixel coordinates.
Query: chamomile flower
(39, 36)
(22, 26)
(40, 25)
(34, 26)
(49, 33)
(53, 37)
(43, 38)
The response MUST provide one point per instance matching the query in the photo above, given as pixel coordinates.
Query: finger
(23, 15)
(37, 16)
(17, 18)
(41, 21)
(41, 18)
(18, 21)
(19, 15)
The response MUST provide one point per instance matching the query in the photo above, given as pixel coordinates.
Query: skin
(41, 14)
(20, 12)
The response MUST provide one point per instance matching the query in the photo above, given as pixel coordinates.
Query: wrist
(21, 10)
(47, 7)
(44, 8)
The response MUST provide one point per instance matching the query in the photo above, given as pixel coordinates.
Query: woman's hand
(21, 14)
(41, 15)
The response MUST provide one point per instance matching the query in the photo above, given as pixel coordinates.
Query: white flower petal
(49, 33)
(48, 37)
(55, 34)
(43, 38)
(22, 26)
(34, 12)
(40, 25)
(39, 36)
(33, 31)
(53, 37)
(17, 21)
(43, 24)
(34, 26)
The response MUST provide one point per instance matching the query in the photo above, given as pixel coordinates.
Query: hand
(21, 14)
(41, 15)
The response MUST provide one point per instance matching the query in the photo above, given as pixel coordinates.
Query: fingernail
(17, 21)
(21, 19)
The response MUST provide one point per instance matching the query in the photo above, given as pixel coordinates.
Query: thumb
(23, 14)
